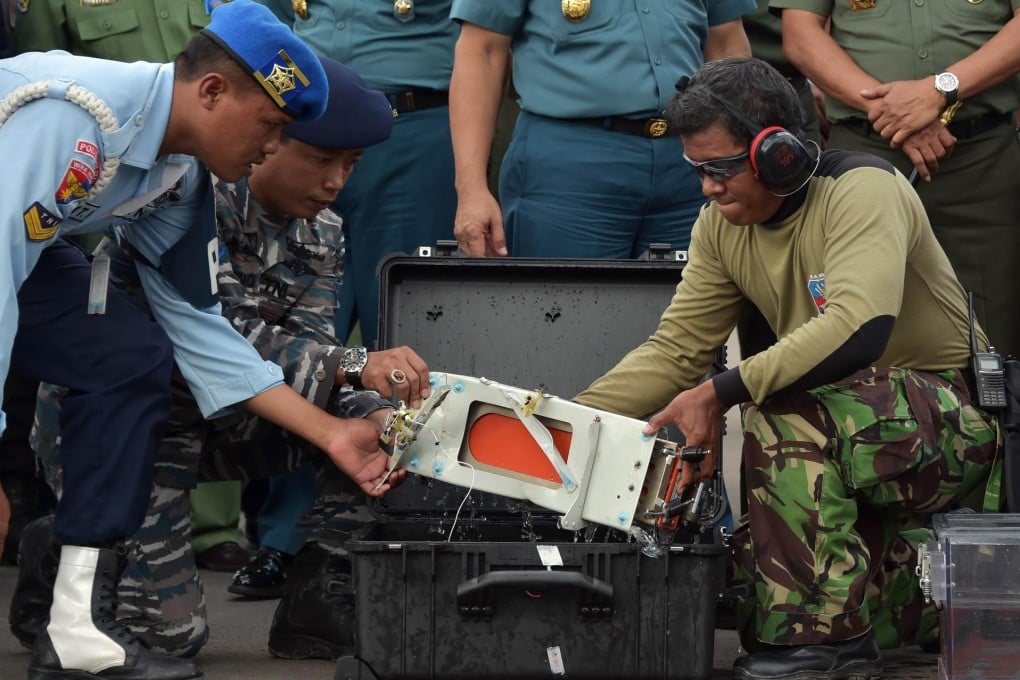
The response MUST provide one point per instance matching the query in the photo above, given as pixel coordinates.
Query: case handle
(534, 578)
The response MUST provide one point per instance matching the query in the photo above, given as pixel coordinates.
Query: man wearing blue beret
(279, 282)
(94, 146)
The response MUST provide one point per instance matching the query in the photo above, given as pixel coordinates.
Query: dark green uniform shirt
(126, 30)
(910, 40)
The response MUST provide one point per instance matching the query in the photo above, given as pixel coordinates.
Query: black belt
(961, 129)
(644, 127)
(416, 100)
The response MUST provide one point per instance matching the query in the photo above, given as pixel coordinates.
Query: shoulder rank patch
(78, 179)
(22, 6)
(816, 286)
(40, 223)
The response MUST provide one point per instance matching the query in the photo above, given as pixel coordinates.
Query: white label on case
(555, 660)
(550, 555)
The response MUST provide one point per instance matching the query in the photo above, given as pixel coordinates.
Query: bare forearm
(476, 89)
(285, 407)
(812, 50)
(992, 63)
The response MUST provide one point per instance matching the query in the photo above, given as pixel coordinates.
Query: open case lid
(522, 321)
(554, 323)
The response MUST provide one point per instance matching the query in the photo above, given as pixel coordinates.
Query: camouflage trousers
(160, 596)
(841, 482)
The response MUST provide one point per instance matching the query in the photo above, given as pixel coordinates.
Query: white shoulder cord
(75, 94)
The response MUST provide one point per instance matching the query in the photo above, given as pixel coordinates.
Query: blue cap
(285, 67)
(356, 116)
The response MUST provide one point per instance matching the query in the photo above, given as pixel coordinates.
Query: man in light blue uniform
(592, 170)
(402, 195)
(97, 145)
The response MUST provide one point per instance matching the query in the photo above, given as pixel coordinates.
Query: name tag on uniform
(90, 3)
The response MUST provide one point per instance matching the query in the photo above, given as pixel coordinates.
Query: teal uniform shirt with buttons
(127, 30)
(391, 54)
(972, 200)
(402, 195)
(622, 59)
(571, 185)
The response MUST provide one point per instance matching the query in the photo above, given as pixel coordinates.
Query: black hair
(749, 85)
(203, 55)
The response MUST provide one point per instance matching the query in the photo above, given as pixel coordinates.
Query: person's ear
(211, 87)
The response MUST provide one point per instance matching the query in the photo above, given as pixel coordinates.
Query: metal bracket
(931, 573)
(923, 571)
(571, 519)
(405, 424)
(525, 411)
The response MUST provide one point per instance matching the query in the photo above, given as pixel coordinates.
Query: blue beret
(285, 67)
(356, 117)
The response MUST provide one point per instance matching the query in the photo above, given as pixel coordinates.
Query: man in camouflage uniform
(281, 261)
(859, 421)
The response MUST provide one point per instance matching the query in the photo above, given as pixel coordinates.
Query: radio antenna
(970, 316)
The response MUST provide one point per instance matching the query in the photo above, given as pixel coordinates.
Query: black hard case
(478, 602)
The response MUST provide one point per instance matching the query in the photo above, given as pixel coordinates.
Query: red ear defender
(781, 161)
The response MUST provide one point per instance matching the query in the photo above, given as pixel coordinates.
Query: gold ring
(398, 376)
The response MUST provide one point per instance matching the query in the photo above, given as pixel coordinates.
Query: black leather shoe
(226, 556)
(264, 577)
(857, 659)
(38, 557)
(315, 618)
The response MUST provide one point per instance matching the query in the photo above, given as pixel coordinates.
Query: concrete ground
(237, 646)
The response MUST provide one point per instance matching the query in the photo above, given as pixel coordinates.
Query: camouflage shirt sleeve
(351, 403)
(278, 294)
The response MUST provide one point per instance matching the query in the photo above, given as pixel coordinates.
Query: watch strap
(353, 362)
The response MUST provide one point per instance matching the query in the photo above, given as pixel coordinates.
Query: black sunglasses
(720, 169)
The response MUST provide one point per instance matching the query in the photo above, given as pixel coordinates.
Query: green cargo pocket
(883, 425)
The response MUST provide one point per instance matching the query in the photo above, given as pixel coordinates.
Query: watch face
(354, 360)
(946, 82)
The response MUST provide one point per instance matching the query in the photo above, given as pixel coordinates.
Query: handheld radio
(988, 369)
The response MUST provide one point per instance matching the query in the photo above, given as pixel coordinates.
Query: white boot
(83, 638)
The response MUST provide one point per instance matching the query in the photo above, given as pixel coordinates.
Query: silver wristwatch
(352, 362)
(948, 84)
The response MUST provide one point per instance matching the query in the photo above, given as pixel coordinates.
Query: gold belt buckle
(656, 127)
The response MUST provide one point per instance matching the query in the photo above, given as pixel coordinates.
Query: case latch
(931, 573)
(663, 251)
(443, 248)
